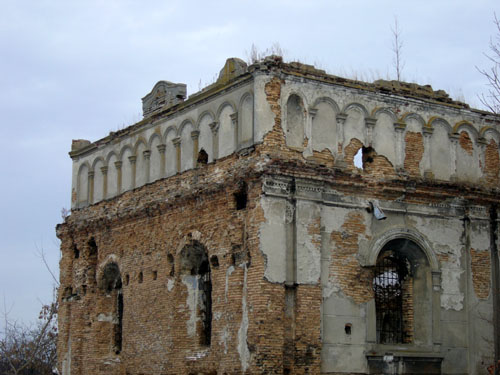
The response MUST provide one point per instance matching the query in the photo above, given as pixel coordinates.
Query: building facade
(284, 221)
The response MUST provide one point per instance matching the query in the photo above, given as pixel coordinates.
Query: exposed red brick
(354, 280)
(414, 152)
(465, 142)
(480, 262)
(491, 164)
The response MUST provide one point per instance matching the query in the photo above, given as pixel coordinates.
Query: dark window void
(348, 328)
(391, 282)
(76, 252)
(112, 285)
(92, 248)
(241, 196)
(171, 264)
(368, 155)
(214, 261)
(202, 157)
(195, 264)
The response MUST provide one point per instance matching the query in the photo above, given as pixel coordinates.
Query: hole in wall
(76, 252)
(214, 261)
(363, 157)
(155, 275)
(202, 157)
(241, 196)
(140, 277)
(170, 260)
(368, 154)
(358, 159)
(348, 328)
(127, 279)
(92, 247)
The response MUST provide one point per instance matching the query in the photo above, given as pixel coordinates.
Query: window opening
(368, 154)
(214, 261)
(241, 196)
(76, 252)
(202, 157)
(119, 326)
(358, 159)
(170, 260)
(348, 328)
(112, 285)
(390, 274)
(363, 157)
(92, 247)
(195, 264)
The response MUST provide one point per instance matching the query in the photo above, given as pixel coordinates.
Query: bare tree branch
(41, 254)
(397, 49)
(30, 350)
(491, 100)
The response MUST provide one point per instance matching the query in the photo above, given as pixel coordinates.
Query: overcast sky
(78, 69)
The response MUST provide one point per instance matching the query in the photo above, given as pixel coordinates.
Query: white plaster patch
(197, 355)
(330, 288)
(443, 232)
(332, 218)
(480, 237)
(229, 271)
(224, 337)
(273, 238)
(106, 318)
(242, 332)
(452, 297)
(66, 363)
(308, 252)
(445, 236)
(191, 283)
(170, 284)
(196, 235)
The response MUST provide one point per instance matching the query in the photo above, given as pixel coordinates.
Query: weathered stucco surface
(232, 233)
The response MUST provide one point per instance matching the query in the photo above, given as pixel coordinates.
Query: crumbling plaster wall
(159, 323)
(161, 148)
(455, 323)
(402, 135)
(429, 141)
(294, 268)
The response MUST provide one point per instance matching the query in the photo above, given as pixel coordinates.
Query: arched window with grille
(392, 286)
(402, 286)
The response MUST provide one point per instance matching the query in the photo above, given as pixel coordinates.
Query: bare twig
(41, 254)
(397, 49)
(491, 100)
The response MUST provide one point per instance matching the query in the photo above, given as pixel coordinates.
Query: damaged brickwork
(233, 232)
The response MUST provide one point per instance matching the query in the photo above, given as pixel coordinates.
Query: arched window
(392, 285)
(195, 265)
(112, 285)
(402, 286)
(295, 119)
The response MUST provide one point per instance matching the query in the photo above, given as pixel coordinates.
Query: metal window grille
(388, 287)
(206, 308)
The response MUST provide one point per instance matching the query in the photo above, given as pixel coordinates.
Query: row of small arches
(295, 99)
(166, 153)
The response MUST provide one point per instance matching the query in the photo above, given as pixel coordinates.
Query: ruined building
(284, 221)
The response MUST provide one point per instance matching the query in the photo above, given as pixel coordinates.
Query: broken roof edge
(236, 71)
